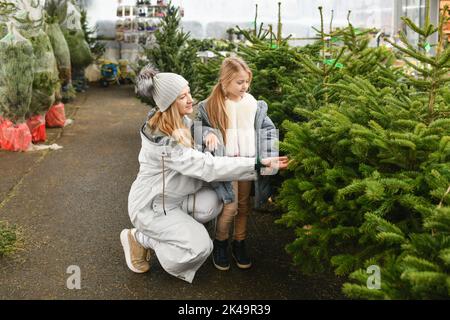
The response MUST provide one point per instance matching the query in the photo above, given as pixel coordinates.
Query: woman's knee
(207, 214)
(207, 248)
(207, 206)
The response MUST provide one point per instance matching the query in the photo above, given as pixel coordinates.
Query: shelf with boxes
(162, 3)
(137, 23)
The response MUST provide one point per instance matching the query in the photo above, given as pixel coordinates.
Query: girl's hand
(211, 141)
(276, 163)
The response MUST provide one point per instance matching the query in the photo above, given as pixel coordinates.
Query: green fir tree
(370, 168)
(172, 52)
(97, 48)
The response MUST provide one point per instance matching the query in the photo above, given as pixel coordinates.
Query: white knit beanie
(163, 87)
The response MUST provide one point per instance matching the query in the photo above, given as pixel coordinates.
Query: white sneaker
(136, 255)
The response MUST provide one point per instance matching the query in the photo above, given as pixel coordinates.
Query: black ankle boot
(220, 255)
(240, 255)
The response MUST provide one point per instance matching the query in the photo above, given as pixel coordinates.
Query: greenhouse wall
(211, 18)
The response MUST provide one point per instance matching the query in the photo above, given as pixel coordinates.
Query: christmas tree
(172, 52)
(418, 265)
(371, 170)
(287, 77)
(97, 48)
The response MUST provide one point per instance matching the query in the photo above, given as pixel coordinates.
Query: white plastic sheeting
(297, 15)
(211, 18)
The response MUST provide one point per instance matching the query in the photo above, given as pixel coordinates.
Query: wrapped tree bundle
(3, 30)
(16, 75)
(31, 24)
(46, 77)
(69, 18)
(7, 8)
(61, 51)
(28, 10)
(80, 53)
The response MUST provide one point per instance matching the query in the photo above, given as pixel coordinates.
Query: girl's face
(238, 86)
(184, 102)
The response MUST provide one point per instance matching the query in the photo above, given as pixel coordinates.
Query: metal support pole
(398, 13)
(434, 19)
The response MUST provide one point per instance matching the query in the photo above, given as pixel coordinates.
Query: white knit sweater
(241, 127)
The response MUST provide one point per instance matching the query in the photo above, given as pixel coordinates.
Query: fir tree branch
(443, 197)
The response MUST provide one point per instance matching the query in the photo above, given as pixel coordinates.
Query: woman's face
(238, 86)
(184, 102)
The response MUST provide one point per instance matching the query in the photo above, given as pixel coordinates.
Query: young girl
(236, 125)
(169, 201)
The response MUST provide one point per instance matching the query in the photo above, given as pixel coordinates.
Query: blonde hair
(170, 122)
(215, 105)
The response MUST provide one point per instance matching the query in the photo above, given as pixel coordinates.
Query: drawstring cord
(164, 186)
(193, 208)
(193, 205)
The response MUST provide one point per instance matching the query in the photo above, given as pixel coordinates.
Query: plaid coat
(266, 146)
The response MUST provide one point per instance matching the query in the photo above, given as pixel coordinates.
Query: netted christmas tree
(6, 9)
(370, 167)
(46, 77)
(16, 75)
(29, 22)
(56, 14)
(69, 15)
(61, 50)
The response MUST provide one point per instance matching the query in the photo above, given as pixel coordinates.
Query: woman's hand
(277, 163)
(211, 141)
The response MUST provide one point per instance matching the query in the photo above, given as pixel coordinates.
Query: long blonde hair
(170, 122)
(215, 105)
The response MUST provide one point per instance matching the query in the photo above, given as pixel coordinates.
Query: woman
(169, 200)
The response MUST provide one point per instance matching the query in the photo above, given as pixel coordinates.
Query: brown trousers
(237, 211)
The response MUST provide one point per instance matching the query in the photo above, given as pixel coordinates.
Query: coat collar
(261, 112)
